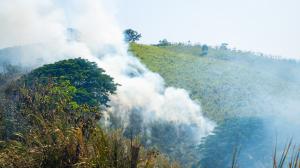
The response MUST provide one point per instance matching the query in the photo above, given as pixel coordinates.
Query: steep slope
(227, 83)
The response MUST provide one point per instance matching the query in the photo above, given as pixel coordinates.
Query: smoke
(269, 114)
(42, 27)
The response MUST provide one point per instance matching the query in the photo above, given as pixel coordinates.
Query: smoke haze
(40, 28)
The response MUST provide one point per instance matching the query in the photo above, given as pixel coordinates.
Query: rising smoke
(41, 26)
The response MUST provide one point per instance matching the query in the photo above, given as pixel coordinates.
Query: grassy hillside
(227, 83)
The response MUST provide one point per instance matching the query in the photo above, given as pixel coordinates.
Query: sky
(267, 26)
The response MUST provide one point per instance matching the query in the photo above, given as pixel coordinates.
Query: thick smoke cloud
(29, 22)
(42, 27)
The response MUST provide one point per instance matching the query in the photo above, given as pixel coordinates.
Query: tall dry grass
(47, 129)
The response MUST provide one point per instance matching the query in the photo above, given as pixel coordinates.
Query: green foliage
(93, 87)
(206, 79)
(132, 35)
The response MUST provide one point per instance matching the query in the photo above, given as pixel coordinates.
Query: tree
(163, 42)
(204, 50)
(223, 46)
(93, 87)
(132, 35)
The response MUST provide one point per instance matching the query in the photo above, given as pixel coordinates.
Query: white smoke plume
(42, 24)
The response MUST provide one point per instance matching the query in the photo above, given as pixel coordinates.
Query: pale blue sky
(269, 26)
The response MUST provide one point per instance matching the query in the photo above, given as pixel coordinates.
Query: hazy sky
(268, 26)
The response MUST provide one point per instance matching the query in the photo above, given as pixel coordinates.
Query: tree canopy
(93, 86)
(132, 35)
(163, 42)
(204, 50)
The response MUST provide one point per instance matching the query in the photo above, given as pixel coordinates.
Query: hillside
(228, 83)
(237, 89)
(50, 118)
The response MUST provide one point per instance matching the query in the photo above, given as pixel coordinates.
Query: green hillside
(228, 83)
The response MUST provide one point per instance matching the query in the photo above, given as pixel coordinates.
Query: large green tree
(93, 86)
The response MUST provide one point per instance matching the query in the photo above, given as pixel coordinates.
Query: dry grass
(48, 129)
(288, 158)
